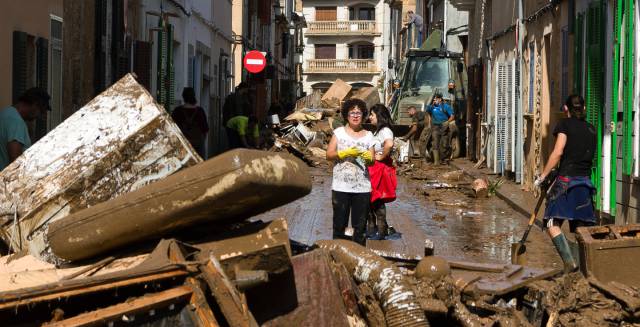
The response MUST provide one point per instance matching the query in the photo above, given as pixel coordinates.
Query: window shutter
(142, 63)
(162, 65)
(517, 124)
(42, 81)
(100, 55)
(509, 111)
(170, 69)
(501, 120)
(627, 154)
(594, 86)
(19, 82)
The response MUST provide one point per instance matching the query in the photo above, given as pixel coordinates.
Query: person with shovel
(570, 195)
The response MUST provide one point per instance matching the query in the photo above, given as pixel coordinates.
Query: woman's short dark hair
(382, 116)
(189, 95)
(575, 105)
(352, 103)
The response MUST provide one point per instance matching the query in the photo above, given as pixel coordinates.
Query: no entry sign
(254, 61)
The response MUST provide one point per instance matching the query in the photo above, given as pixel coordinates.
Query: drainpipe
(444, 24)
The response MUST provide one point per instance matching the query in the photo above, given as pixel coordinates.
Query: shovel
(518, 249)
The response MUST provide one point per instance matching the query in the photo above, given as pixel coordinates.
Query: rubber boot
(436, 157)
(562, 246)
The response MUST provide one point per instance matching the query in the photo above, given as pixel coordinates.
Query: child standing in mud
(351, 150)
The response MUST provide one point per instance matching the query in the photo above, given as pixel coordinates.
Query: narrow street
(464, 228)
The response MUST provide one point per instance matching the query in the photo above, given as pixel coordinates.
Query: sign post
(254, 61)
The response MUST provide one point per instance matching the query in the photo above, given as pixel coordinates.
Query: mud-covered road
(459, 225)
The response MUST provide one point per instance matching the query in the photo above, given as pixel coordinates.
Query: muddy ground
(459, 225)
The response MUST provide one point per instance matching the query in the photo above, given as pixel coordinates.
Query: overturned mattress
(231, 187)
(117, 143)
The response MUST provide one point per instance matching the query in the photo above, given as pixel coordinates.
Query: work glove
(539, 182)
(366, 156)
(350, 152)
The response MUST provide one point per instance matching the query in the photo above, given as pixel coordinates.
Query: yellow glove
(366, 155)
(350, 152)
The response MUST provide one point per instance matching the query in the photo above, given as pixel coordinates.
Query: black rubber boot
(562, 246)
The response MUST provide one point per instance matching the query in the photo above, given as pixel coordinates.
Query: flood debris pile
(306, 132)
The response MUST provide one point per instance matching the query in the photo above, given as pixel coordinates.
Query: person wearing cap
(14, 133)
(441, 115)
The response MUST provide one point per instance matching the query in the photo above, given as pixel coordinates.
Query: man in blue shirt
(441, 115)
(14, 134)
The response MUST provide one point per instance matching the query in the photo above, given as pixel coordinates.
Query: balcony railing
(342, 66)
(347, 27)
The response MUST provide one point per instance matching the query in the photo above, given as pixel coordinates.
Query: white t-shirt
(351, 174)
(384, 134)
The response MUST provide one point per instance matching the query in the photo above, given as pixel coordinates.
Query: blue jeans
(419, 39)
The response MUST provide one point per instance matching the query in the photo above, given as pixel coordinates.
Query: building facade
(169, 45)
(525, 58)
(272, 27)
(346, 40)
(31, 36)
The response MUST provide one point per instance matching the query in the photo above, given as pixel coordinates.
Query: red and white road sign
(254, 61)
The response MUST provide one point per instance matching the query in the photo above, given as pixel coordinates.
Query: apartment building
(346, 40)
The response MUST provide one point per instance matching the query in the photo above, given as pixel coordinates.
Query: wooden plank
(131, 307)
(19, 299)
(201, 307)
(231, 303)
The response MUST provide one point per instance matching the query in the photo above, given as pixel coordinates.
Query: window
(55, 77)
(362, 13)
(361, 51)
(325, 51)
(326, 14)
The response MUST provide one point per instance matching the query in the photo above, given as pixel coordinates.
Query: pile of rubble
(125, 224)
(306, 132)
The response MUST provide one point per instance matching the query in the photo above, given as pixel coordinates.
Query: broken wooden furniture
(119, 142)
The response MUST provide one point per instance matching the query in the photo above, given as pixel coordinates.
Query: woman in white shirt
(382, 173)
(351, 150)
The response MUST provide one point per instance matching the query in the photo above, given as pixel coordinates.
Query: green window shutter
(19, 65)
(42, 81)
(615, 88)
(595, 86)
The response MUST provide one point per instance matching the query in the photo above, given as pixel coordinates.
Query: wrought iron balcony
(346, 27)
(342, 66)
